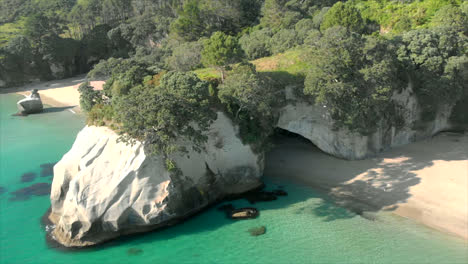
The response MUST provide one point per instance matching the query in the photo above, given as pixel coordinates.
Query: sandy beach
(58, 93)
(426, 181)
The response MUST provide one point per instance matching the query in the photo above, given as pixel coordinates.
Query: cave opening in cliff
(282, 136)
(291, 155)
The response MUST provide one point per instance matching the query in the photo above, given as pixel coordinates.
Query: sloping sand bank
(426, 181)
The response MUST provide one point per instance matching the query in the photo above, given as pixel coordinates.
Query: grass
(288, 67)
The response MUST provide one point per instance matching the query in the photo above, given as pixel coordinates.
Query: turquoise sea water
(304, 227)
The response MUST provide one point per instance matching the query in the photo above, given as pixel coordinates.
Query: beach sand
(59, 94)
(426, 181)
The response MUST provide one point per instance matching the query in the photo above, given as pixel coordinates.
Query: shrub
(186, 57)
(345, 15)
(257, 43)
(163, 115)
(250, 98)
(220, 50)
(434, 58)
(354, 78)
(88, 96)
(283, 40)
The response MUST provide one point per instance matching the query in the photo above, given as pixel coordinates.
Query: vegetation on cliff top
(349, 56)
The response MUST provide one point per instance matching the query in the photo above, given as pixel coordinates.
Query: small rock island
(31, 104)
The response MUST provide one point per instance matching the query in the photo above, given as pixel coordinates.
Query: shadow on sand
(56, 109)
(361, 186)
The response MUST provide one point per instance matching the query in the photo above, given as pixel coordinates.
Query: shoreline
(57, 93)
(426, 181)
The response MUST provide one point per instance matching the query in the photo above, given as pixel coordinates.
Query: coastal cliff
(314, 123)
(104, 188)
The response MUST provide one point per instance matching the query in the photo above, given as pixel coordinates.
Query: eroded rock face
(314, 123)
(31, 104)
(103, 188)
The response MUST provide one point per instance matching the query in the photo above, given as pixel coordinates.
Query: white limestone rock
(31, 104)
(314, 123)
(103, 188)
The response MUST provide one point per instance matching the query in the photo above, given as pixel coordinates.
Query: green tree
(345, 15)
(88, 96)
(283, 40)
(251, 99)
(220, 50)
(257, 44)
(354, 78)
(432, 58)
(186, 57)
(165, 114)
(189, 24)
(451, 16)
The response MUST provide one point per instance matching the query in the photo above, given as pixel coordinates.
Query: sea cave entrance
(292, 154)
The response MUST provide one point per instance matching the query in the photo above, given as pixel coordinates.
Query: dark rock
(261, 196)
(28, 177)
(2, 190)
(134, 251)
(279, 193)
(38, 189)
(47, 169)
(369, 216)
(257, 231)
(244, 213)
(31, 104)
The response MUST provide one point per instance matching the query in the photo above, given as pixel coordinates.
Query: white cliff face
(314, 123)
(103, 188)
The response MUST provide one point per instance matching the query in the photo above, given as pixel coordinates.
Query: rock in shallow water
(244, 213)
(2, 190)
(28, 177)
(260, 196)
(134, 251)
(257, 231)
(38, 189)
(103, 188)
(47, 169)
(31, 104)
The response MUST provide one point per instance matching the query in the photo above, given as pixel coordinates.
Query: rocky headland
(104, 188)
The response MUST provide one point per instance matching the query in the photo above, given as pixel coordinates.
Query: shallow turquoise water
(303, 227)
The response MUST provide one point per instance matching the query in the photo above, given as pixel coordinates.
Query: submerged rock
(38, 189)
(257, 231)
(2, 190)
(31, 104)
(279, 193)
(134, 251)
(260, 196)
(28, 177)
(244, 213)
(104, 188)
(47, 169)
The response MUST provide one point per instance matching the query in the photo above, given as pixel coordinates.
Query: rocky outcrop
(314, 123)
(31, 104)
(104, 188)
